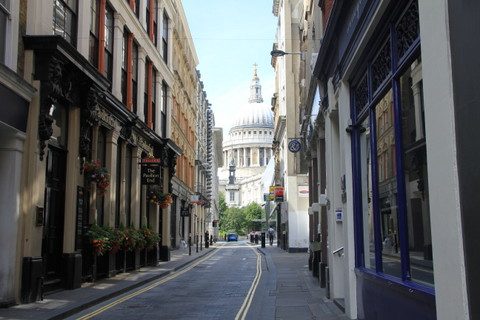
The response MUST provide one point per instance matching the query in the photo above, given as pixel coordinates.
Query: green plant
(101, 238)
(124, 239)
(139, 238)
(117, 239)
(151, 237)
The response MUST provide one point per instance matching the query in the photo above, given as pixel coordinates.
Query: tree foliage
(239, 220)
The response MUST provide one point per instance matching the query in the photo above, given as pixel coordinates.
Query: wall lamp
(280, 53)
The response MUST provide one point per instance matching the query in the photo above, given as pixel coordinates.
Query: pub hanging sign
(150, 171)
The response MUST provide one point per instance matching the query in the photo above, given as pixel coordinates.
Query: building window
(232, 196)
(124, 66)
(147, 16)
(94, 13)
(165, 25)
(109, 26)
(391, 177)
(4, 18)
(146, 110)
(155, 19)
(134, 76)
(261, 152)
(136, 8)
(59, 116)
(101, 40)
(164, 109)
(153, 91)
(65, 19)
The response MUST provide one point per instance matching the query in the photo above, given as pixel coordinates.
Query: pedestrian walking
(271, 233)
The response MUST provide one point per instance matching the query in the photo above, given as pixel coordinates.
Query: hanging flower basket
(156, 196)
(94, 172)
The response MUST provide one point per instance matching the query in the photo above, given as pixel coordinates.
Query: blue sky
(229, 37)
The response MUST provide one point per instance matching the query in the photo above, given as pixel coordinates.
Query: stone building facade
(95, 82)
(183, 129)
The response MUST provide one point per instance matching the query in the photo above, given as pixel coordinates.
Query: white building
(291, 171)
(247, 150)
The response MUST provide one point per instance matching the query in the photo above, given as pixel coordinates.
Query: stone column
(166, 216)
(169, 113)
(119, 24)
(244, 157)
(72, 172)
(110, 195)
(170, 42)
(141, 83)
(83, 27)
(93, 197)
(40, 17)
(135, 205)
(11, 154)
(143, 13)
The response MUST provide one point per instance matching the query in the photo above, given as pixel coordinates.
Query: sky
(229, 37)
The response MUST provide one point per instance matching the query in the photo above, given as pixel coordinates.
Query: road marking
(242, 313)
(150, 287)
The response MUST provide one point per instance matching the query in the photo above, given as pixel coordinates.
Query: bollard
(263, 239)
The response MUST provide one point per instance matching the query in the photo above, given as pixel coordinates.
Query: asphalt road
(222, 285)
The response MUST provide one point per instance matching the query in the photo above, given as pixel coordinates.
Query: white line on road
(242, 313)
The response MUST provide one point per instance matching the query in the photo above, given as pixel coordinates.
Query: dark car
(232, 237)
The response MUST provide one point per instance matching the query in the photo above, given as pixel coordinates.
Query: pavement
(295, 293)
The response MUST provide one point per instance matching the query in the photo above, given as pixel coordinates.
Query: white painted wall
(297, 213)
(350, 284)
(448, 252)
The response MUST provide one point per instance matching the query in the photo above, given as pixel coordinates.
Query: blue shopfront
(380, 42)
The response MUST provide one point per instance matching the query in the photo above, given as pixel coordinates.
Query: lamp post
(280, 53)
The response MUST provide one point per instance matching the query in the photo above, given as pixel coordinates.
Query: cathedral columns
(244, 157)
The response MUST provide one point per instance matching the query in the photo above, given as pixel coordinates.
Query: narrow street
(250, 283)
(234, 266)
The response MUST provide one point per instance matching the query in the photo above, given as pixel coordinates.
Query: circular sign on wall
(294, 145)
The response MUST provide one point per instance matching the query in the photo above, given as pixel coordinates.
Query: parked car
(232, 237)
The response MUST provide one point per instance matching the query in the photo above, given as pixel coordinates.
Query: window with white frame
(4, 17)
(165, 25)
(65, 19)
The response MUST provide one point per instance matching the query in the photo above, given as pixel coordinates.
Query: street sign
(185, 212)
(150, 172)
(272, 193)
(294, 145)
(279, 192)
